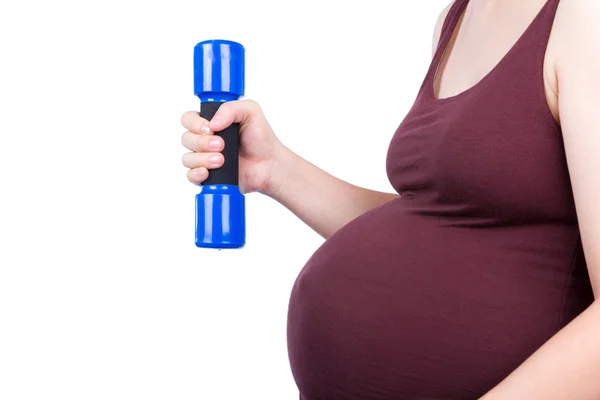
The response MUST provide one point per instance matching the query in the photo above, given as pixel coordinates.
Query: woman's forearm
(567, 367)
(322, 201)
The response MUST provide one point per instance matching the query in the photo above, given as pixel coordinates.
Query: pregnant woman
(476, 279)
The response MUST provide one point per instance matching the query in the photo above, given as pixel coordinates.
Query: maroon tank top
(444, 291)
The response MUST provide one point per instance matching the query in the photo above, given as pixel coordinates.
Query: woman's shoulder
(575, 37)
(576, 21)
(440, 24)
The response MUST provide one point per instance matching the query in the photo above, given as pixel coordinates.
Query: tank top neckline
(443, 47)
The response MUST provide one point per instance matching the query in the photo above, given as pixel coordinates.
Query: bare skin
(568, 365)
(485, 33)
(268, 167)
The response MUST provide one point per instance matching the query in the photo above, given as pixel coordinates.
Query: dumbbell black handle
(228, 174)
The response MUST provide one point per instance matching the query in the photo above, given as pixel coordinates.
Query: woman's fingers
(193, 122)
(206, 147)
(197, 175)
(206, 160)
(239, 111)
(201, 143)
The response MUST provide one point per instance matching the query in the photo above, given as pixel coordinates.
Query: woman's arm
(322, 201)
(296, 183)
(568, 365)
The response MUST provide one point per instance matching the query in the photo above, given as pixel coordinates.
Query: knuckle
(253, 105)
(199, 174)
(184, 137)
(191, 177)
(200, 143)
(226, 109)
(185, 117)
(187, 159)
(199, 124)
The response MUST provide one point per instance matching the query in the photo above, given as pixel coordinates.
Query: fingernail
(214, 159)
(205, 129)
(215, 144)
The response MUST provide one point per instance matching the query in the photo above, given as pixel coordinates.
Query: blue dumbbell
(220, 206)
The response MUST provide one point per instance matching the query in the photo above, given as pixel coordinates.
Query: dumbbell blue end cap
(220, 217)
(218, 70)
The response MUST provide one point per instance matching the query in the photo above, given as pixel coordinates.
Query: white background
(103, 294)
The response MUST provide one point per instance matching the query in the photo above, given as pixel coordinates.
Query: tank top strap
(547, 21)
(530, 51)
(448, 27)
(458, 8)
(530, 47)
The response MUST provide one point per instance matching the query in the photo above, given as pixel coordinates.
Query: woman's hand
(322, 201)
(259, 147)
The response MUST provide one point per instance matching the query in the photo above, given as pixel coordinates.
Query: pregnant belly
(396, 306)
